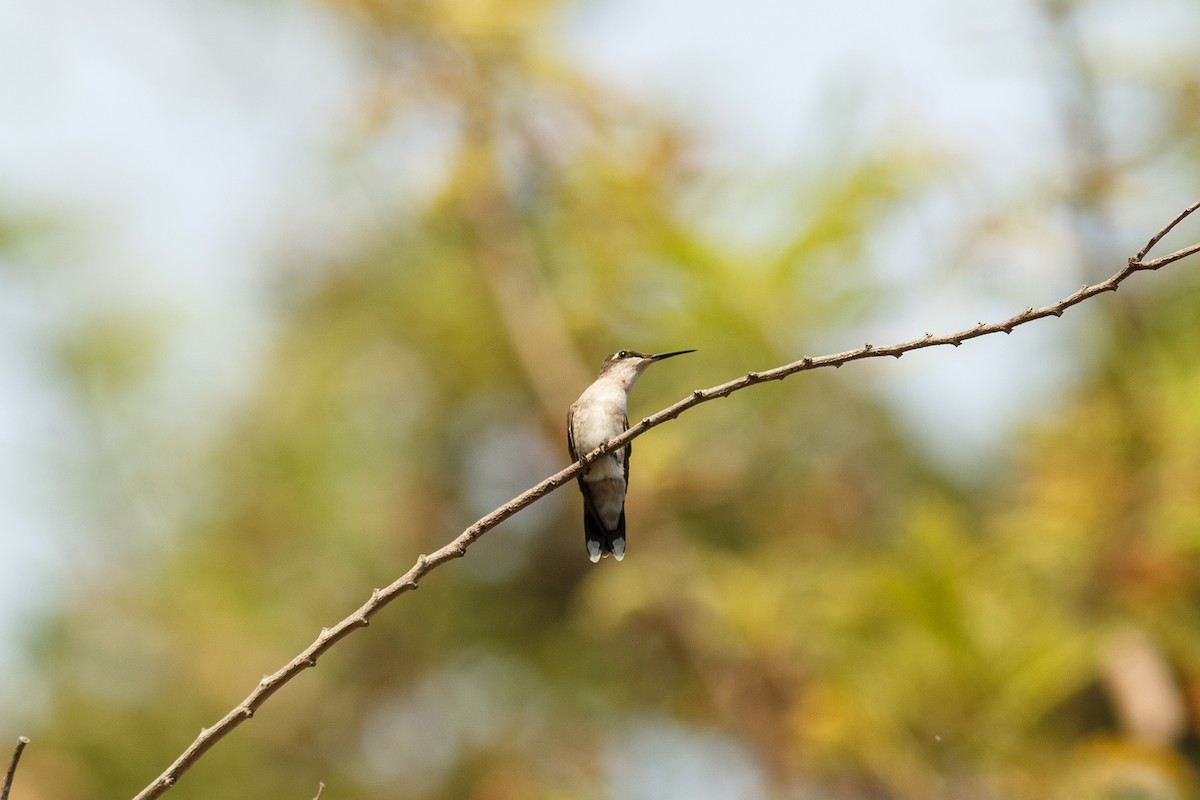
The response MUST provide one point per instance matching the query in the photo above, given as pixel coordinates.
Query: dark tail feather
(601, 542)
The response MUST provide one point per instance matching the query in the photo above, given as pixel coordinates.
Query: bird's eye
(622, 354)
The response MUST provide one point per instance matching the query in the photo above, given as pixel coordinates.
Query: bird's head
(627, 365)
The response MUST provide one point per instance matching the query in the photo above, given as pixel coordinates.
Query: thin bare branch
(457, 548)
(12, 767)
(1170, 258)
(1156, 238)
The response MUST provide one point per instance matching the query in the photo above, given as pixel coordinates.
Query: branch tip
(12, 766)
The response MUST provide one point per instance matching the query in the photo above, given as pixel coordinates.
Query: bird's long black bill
(661, 356)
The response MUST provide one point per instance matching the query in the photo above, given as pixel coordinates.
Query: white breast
(599, 416)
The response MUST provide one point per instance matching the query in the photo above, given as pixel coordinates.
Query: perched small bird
(597, 416)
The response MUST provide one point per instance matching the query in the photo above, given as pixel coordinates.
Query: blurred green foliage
(809, 609)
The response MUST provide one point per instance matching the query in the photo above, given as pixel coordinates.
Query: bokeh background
(291, 292)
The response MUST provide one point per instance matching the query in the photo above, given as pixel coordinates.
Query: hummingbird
(597, 416)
